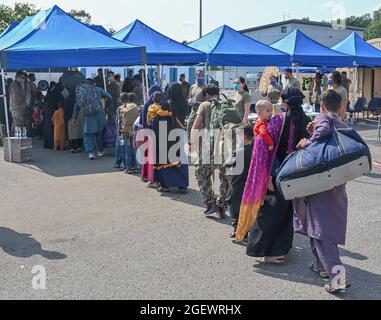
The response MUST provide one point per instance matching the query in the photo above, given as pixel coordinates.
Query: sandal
(320, 271)
(183, 190)
(153, 185)
(331, 290)
(271, 260)
(163, 190)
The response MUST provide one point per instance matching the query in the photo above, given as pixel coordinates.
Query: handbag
(327, 163)
(109, 137)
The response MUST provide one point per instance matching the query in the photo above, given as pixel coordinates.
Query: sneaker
(211, 210)
(221, 212)
(101, 154)
(92, 156)
(116, 166)
(72, 150)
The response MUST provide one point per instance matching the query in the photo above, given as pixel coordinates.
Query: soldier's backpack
(128, 115)
(223, 112)
(87, 99)
(224, 118)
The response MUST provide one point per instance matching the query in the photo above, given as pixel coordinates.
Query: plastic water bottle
(17, 133)
(24, 133)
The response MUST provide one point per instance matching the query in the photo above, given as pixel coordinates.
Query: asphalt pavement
(100, 234)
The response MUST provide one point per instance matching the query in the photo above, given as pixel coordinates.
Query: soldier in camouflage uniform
(205, 169)
(196, 97)
(113, 88)
(20, 97)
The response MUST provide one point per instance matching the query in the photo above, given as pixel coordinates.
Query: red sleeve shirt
(261, 130)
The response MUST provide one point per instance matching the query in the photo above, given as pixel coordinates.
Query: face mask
(287, 77)
(21, 81)
(273, 82)
(330, 82)
(201, 81)
(237, 87)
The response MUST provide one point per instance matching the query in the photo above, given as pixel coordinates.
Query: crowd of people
(262, 219)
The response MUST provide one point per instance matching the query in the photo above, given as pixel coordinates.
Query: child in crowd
(37, 122)
(58, 120)
(75, 134)
(156, 110)
(128, 112)
(323, 217)
(238, 181)
(274, 97)
(265, 112)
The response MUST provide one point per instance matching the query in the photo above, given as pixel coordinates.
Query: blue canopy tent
(364, 54)
(307, 52)
(9, 28)
(160, 49)
(100, 29)
(228, 47)
(46, 40)
(53, 38)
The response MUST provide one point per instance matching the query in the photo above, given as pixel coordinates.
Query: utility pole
(200, 18)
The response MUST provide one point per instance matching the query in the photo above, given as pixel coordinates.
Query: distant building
(375, 43)
(321, 32)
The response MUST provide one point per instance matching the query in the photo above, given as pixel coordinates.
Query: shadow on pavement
(192, 197)
(64, 164)
(365, 284)
(22, 245)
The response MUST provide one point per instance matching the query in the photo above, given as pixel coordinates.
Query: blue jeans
(120, 153)
(130, 153)
(93, 142)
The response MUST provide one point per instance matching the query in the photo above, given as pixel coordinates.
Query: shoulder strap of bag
(335, 133)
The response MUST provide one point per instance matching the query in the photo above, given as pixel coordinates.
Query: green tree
(374, 30)
(112, 31)
(81, 15)
(363, 21)
(18, 13)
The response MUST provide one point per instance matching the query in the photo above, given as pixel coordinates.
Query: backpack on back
(224, 118)
(87, 99)
(223, 112)
(128, 115)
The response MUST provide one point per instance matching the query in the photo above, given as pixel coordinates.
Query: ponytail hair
(243, 81)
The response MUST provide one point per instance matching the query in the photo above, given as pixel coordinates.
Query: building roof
(299, 21)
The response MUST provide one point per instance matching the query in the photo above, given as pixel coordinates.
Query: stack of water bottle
(20, 133)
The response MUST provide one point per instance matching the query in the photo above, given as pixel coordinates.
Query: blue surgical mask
(287, 77)
(201, 81)
(330, 82)
(237, 87)
(273, 82)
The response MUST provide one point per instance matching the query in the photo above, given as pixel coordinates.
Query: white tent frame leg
(4, 96)
(355, 76)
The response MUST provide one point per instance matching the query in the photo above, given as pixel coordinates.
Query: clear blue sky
(179, 18)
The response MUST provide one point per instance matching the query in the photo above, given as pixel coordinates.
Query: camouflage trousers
(204, 177)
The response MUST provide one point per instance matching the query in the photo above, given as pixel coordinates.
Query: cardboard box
(21, 150)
